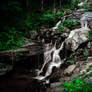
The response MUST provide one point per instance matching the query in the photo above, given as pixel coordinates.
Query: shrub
(71, 23)
(85, 53)
(77, 85)
(71, 61)
(89, 34)
(59, 13)
(32, 21)
(84, 6)
(11, 39)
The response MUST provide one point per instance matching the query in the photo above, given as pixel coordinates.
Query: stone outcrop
(76, 37)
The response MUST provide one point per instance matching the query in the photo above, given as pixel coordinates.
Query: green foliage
(11, 40)
(69, 6)
(31, 34)
(71, 23)
(71, 61)
(71, 55)
(85, 53)
(89, 76)
(3, 66)
(77, 85)
(32, 21)
(84, 72)
(89, 69)
(59, 30)
(47, 18)
(48, 15)
(89, 34)
(12, 6)
(84, 6)
(59, 13)
(76, 2)
(68, 11)
(60, 27)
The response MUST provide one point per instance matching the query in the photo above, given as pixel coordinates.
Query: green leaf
(71, 61)
(85, 53)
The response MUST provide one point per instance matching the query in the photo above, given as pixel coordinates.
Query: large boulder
(76, 37)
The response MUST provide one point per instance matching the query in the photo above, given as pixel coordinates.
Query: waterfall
(56, 61)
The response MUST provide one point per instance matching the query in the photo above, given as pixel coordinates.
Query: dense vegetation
(20, 19)
(77, 85)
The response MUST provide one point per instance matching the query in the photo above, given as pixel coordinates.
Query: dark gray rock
(55, 84)
(56, 89)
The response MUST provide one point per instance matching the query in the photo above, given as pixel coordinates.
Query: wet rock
(55, 84)
(65, 78)
(81, 10)
(76, 73)
(89, 45)
(56, 89)
(65, 29)
(89, 59)
(90, 24)
(65, 35)
(25, 50)
(87, 64)
(4, 68)
(70, 69)
(28, 43)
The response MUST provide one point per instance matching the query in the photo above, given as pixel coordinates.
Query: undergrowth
(14, 39)
(70, 23)
(77, 85)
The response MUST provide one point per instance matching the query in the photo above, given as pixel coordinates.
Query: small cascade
(55, 61)
(82, 3)
(85, 18)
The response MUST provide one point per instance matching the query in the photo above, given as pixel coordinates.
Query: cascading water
(56, 61)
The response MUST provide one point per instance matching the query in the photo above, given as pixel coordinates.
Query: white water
(56, 26)
(82, 3)
(56, 61)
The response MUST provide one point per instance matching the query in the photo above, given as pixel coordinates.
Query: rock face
(87, 65)
(55, 87)
(58, 89)
(70, 69)
(30, 55)
(76, 37)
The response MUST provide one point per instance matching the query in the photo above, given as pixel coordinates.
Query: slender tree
(60, 2)
(54, 10)
(42, 3)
